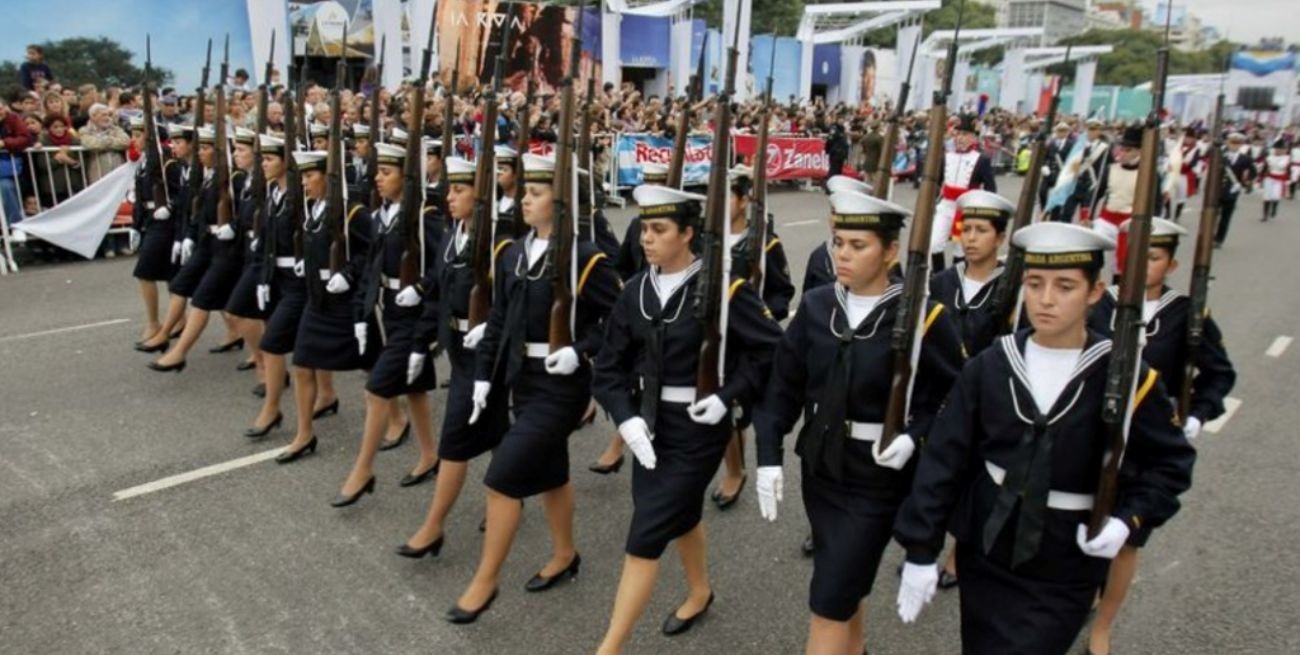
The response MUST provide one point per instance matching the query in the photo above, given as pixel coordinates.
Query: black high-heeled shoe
(146, 348)
(253, 433)
(412, 479)
(177, 334)
(290, 456)
(328, 410)
(462, 616)
(433, 549)
(343, 501)
(401, 438)
(606, 469)
(237, 344)
(725, 502)
(246, 366)
(540, 582)
(674, 626)
(167, 368)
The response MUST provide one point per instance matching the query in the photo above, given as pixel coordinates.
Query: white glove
(414, 365)
(162, 214)
(225, 233)
(133, 239)
(1192, 428)
(709, 411)
(636, 434)
(474, 336)
(263, 297)
(252, 245)
(481, 391)
(916, 589)
(300, 268)
(563, 361)
(359, 329)
(1107, 544)
(770, 488)
(176, 252)
(1047, 171)
(896, 455)
(187, 250)
(338, 284)
(408, 297)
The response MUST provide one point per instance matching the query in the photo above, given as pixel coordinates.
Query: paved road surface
(254, 560)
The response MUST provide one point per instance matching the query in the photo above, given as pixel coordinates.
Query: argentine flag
(1069, 176)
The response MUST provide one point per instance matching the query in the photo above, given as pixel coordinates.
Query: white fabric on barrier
(388, 23)
(263, 17)
(80, 223)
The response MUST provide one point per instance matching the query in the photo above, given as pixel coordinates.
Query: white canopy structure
(848, 23)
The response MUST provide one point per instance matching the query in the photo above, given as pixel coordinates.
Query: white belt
(1062, 500)
(325, 274)
(680, 395)
(390, 283)
(538, 350)
(865, 431)
(462, 325)
(285, 262)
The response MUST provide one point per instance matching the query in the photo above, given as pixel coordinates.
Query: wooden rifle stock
(152, 150)
(377, 125)
(757, 234)
(522, 146)
(221, 148)
(1199, 289)
(564, 208)
(694, 94)
(258, 186)
(480, 243)
(196, 165)
(885, 167)
(335, 209)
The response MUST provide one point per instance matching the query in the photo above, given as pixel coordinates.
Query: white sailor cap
(1062, 127)
(272, 145)
(317, 129)
(360, 131)
(1236, 136)
(432, 146)
(658, 201)
(502, 153)
(310, 160)
(845, 183)
(398, 136)
(851, 210)
(460, 170)
(136, 123)
(207, 134)
(1164, 233)
(1093, 122)
(1061, 245)
(245, 136)
(389, 154)
(180, 131)
(987, 205)
(538, 169)
(652, 173)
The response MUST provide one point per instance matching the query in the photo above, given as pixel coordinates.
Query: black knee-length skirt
(851, 525)
(289, 299)
(533, 456)
(153, 261)
(388, 377)
(217, 283)
(243, 297)
(327, 341)
(187, 277)
(668, 501)
(460, 441)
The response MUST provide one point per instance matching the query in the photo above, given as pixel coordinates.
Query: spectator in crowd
(35, 71)
(129, 106)
(58, 173)
(275, 116)
(16, 139)
(240, 80)
(105, 142)
(54, 105)
(169, 110)
(87, 96)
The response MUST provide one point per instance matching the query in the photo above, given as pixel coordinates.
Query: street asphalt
(253, 560)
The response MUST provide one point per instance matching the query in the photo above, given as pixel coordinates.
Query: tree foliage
(100, 61)
(1133, 60)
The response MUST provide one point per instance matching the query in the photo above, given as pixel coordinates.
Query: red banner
(789, 158)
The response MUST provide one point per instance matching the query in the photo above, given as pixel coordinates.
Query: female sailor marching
(154, 262)
(645, 378)
(833, 369)
(820, 270)
(187, 268)
(550, 388)
(248, 318)
(968, 287)
(398, 310)
(447, 307)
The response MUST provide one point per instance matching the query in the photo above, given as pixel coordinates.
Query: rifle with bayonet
(481, 227)
(293, 195)
(196, 166)
(562, 246)
(694, 94)
(1199, 289)
(376, 120)
(413, 183)
(757, 235)
(448, 117)
(523, 142)
(1006, 295)
(709, 302)
(258, 184)
(153, 164)
(335, 199)
(916, 281)
(1129, 329)
(221, 147)
(885, 168)
(587, 217)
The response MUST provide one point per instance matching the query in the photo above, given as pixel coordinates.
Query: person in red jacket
(17, 138)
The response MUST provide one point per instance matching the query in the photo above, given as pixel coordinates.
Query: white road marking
(1279, 346)
(197, 474)
(799, 223)
(1230, 406)
(1160, 571)
(74, 328)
